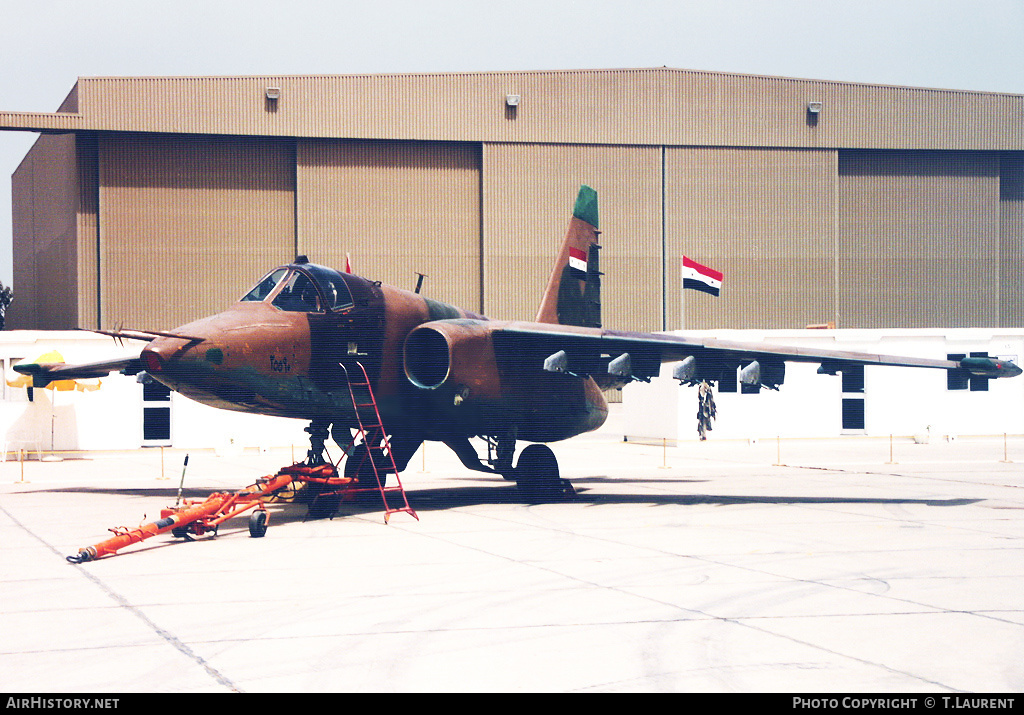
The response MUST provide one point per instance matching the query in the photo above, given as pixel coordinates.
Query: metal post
(1006, 453)
(891, 460)
(181, 485)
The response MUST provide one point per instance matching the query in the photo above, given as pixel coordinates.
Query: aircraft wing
(611, 356)
(44, 373)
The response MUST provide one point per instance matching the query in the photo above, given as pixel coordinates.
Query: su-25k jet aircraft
(442, 373)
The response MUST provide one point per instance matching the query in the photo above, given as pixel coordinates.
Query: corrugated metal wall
(398, 208)
(918, 239)
(528, 195)
(658, 106)
(45, 196)
(23, 313)
(437, 174)
(187, 224)
(766, 220)
(1011, 239)
(88, 230)
(654, 107)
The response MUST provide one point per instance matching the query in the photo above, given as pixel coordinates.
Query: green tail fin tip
(586, 206)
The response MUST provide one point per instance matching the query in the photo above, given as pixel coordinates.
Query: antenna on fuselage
(419, 281)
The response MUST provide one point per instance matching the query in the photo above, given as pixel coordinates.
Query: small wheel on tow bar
(258, 524)
(536, 474)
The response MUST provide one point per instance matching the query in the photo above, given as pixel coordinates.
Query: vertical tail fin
(573, 293)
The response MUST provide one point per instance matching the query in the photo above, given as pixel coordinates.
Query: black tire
(537, 472)
(323, 506)
(258, 524)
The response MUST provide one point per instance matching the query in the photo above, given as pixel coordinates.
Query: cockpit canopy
(304, 288)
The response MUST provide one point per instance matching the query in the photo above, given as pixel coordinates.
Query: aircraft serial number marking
(280, 365)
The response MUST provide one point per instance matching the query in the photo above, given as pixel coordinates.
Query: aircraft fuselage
(261, 357)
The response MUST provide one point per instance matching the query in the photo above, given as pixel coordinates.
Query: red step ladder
(371, 430)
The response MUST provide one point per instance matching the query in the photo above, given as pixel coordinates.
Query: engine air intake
(426, 358)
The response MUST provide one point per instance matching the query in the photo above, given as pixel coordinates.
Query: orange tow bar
(202, 517)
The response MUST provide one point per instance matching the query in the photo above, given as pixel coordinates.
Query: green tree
(6, 296)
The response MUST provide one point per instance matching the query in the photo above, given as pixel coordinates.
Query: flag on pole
(701, 277)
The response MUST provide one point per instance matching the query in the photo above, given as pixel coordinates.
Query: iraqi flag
(701, 277)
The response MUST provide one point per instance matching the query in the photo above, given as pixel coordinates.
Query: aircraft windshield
(265, 286)
(298, 295)
(310, 289)
(332, 285)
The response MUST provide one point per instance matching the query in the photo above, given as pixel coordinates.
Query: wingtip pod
(33, 372)
(990, 367)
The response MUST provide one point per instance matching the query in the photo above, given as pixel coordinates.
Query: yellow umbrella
(50, 358)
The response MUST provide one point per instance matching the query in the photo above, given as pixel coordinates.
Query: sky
(45, 45)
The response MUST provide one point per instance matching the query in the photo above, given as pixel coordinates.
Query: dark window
(956, 379)
(153, 391)
(853, 413)
(156, 423)
(853, 378)
(979, 384)
(727, 382)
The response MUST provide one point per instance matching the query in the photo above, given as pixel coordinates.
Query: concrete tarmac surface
(702, 567)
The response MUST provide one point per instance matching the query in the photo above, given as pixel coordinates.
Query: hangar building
(148, 202)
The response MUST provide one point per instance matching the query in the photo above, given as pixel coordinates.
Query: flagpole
(682, 296)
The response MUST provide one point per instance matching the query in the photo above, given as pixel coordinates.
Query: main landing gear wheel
(537, 476)
(358, 467)
(321, 506)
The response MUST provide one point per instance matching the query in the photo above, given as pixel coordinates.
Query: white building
(889, 400)
(122, 413)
